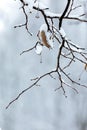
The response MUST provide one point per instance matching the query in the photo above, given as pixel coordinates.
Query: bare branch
(44, 15)
(70, 10)
(73, 53)
(26, 17)
(37, 80)
(64, 13)
(30, 49)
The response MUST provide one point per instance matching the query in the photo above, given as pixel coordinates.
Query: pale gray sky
(41, 108)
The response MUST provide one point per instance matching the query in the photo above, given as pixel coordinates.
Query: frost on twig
(47, 34)
(62, 32)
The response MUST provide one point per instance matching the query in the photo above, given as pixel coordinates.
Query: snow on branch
(47, 34)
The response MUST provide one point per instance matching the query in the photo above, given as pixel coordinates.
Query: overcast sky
(41, 108)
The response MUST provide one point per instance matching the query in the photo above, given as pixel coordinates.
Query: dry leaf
(44, 39)
(85, 66)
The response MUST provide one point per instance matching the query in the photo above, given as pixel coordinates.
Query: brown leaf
(44, 40)
(85, 66)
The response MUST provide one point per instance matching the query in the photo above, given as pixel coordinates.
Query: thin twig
(22, 92)
(73, 52)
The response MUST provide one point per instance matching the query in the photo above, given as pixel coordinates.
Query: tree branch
(73, 53)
